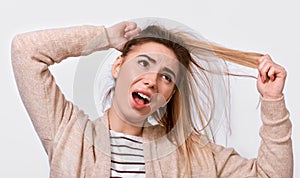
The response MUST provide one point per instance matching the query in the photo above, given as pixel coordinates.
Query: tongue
(138, 100)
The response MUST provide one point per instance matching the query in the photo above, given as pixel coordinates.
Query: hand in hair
(120, 33)
(271, 78)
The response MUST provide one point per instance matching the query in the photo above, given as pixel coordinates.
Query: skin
(270, 80)
(150, 68)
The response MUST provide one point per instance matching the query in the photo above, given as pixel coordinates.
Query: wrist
(107, 35)
(272, 97)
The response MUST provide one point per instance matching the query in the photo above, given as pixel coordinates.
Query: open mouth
(141, 98)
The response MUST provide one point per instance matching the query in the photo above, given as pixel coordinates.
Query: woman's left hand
(271, 78)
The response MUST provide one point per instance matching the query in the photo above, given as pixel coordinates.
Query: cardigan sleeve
(32, 53)
(275, 156)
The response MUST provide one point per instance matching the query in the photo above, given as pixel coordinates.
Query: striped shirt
(127, 157)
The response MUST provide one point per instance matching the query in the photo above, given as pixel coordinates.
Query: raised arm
(275, 156)
(33, 52)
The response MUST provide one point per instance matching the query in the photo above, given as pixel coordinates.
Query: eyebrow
(170, 71)
(148, 57)
(154, 61)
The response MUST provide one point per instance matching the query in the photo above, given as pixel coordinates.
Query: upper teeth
(143, 96)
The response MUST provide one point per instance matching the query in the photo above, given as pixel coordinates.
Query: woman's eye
(143, 63)
(167, 77)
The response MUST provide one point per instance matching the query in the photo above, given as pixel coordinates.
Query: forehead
(164, 57)
(152, 48)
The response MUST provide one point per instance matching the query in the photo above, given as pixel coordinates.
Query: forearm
(32, 53)
(58, 44)
(275, 157)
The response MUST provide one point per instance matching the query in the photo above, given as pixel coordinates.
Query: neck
(122, 125)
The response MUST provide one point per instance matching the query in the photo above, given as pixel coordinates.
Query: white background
(262, 26)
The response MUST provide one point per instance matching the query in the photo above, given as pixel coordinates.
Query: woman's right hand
(120, 33)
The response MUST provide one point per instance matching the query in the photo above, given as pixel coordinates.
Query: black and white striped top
(127, 157)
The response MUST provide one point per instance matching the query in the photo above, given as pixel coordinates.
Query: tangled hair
(190, 112)
(162, 36)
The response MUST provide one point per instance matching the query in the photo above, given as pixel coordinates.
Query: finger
(271, 73)
(271, 70)
(130, 26)
(264, 72)
(265, 58)
(279, 71)
(132, 33)
(263, 68)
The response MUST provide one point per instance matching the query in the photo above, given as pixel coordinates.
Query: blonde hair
(190, 112)
(199, 48)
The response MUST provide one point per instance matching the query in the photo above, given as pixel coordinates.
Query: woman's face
(145, 80)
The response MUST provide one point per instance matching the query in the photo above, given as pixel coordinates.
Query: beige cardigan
(78, 147)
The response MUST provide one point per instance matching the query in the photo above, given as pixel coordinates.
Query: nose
(150, 80)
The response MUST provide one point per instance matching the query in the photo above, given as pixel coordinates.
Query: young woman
(162, 74)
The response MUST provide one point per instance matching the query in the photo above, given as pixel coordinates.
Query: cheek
(123, 83)
(167, 91)
(128, 73)
(130, 70)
